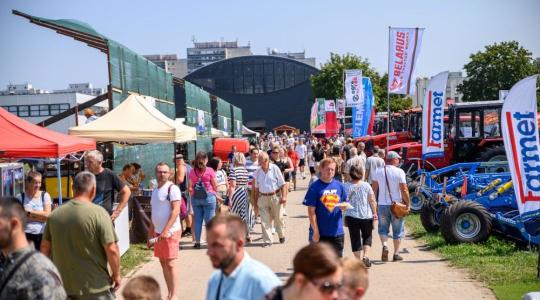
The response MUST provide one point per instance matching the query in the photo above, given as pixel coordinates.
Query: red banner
(331, 124)
(371, 122)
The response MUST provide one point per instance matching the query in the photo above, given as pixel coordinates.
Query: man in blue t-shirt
(325, 201)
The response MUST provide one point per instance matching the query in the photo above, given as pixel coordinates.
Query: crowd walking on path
(230, 198)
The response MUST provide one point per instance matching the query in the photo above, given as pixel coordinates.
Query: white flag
(329, 105)
(521, 142)
(404, 50)
(354, 93)
(433, 117)
(340, 103)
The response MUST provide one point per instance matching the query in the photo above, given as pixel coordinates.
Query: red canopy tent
(22, 139)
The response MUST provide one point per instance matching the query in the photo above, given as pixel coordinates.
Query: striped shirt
(240, 175)
(251, 167)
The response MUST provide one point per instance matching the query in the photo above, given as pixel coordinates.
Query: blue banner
(362, 114)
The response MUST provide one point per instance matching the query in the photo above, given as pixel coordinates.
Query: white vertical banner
(405, 44)
(521, 141)
(354, 93)
(329, 106)
(201, 124)
(340, 105)
(433, 116)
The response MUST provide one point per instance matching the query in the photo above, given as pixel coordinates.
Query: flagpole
(388, 95)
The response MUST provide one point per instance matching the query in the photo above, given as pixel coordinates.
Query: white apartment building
(36, 108)
(454, 80)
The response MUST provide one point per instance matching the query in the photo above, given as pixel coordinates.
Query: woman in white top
(360, 217)
(38, 206)
(221, 180)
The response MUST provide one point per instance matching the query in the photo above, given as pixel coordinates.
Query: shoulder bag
(398, 209)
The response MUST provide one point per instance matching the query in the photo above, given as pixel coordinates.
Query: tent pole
(59, 177)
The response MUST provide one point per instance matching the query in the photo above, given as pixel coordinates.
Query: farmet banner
(404, 50)
(354, 93)
(433, 117)
(521, 142)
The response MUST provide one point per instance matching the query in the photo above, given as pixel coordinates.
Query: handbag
(398, 209)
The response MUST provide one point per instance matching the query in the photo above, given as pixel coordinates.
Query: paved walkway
(422, 274)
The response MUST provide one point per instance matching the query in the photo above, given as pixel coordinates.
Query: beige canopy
(216, 133)
(136, 120)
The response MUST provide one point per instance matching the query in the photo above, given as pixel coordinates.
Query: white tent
(136, 120)
(246, 131)
(216, 133)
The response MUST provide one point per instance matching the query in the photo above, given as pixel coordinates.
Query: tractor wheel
(492, 154)
(417, 201)
(431, 217)
(466, 222)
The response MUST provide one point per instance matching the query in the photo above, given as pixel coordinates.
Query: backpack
(199, 189)
(183, 208)
(42, 198)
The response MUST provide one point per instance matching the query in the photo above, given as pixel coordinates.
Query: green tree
(496, 68)
(328, 83)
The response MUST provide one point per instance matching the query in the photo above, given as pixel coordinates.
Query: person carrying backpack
(38, 206)
(203, 187)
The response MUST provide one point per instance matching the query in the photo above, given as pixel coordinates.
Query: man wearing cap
(392, 185)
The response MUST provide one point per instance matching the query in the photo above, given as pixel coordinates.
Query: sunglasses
(327, 287)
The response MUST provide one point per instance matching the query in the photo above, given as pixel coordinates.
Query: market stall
(22, 139)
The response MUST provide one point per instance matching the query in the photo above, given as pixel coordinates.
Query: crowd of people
(347, 189)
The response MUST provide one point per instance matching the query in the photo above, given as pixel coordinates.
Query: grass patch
(135, 256)
(508, 270)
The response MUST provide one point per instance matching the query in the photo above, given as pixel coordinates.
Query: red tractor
(403, 127)
(472, 133)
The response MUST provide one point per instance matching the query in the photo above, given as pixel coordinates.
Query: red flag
(331, 124)
(464, 187)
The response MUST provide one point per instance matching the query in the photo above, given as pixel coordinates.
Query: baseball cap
(392, 154)
(179, 156)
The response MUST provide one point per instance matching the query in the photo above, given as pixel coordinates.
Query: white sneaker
(285, 212)
(273, 230)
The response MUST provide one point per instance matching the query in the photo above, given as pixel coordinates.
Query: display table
(139, 224)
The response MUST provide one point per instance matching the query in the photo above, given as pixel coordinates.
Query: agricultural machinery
(471, 203)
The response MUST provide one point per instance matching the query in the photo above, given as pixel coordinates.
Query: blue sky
(454, 30)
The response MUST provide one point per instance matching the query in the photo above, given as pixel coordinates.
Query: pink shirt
(206, 179)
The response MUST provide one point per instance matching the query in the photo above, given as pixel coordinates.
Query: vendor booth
(22, 139)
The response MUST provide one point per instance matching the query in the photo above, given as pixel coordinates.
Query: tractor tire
(430, 218)
(417, 201)
(466, 222)
(492, 154)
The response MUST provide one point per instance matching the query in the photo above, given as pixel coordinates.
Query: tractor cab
(472, 133)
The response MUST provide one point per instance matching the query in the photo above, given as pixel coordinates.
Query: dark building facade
(271, 91)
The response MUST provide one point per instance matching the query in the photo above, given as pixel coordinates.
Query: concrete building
(299, 56)
(170, 63)
(21, 89)
(454, 79)
(205, 53)
(82, 88)
(36, 108)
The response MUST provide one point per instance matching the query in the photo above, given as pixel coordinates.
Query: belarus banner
(331, 120)
(340, 106)
(361, 114)
(353, 87)
(314, 116)
(521, 142)
(404, 50)
(433, 117)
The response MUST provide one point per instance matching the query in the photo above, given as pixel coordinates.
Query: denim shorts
(386, 218)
